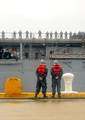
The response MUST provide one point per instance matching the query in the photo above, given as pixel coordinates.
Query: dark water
(64, 109)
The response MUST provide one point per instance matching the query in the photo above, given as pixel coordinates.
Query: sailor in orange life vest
(56, 73)
(41, 73)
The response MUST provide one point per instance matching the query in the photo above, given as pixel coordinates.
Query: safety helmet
(55, 61)
(42, 61)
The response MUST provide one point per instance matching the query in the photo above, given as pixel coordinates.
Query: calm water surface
(63, 109)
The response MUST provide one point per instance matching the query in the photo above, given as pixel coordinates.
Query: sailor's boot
(36, 94)
(59, 95)
(53, 95)
(44, 95)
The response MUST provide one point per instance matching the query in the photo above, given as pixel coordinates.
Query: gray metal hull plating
(26, 71)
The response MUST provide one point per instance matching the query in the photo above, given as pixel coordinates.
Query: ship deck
(30, 95)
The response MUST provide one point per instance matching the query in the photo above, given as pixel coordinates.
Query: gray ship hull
(26, 71)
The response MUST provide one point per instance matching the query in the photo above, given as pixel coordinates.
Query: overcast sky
(34, 15)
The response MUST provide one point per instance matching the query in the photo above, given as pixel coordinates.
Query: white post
(68, 78)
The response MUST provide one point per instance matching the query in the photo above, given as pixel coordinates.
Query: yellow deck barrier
(13, 86)
(30, 95)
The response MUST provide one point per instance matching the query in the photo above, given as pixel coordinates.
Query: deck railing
(68, 56)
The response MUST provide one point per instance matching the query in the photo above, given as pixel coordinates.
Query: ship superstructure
(20, 53)
(47, 45)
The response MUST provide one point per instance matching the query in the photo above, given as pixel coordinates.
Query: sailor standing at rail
(56, 74)
(41, 73)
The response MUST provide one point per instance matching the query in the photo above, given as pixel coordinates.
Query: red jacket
(42, 70)
(56, 70)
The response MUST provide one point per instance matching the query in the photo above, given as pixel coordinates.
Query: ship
(21, 52)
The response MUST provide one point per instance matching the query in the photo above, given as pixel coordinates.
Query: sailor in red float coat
(56, 74)
(41, 73)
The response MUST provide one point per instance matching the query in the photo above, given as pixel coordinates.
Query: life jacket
(41, 69)
(56, 69)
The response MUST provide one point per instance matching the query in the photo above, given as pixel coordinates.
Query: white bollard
(68, 78)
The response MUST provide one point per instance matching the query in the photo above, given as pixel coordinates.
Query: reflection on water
(42, 109)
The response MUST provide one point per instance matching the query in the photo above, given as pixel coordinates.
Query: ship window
(26, 55)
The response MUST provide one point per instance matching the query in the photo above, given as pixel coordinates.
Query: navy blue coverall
(56, 82)
(41, 83)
